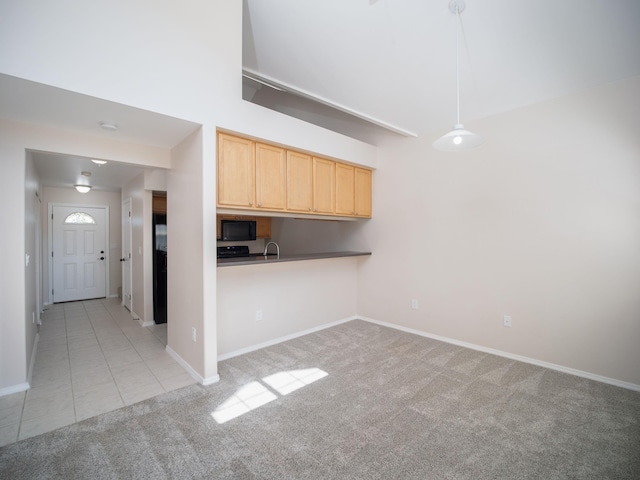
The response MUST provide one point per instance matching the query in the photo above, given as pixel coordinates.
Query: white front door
(126, 254)
(79, 252)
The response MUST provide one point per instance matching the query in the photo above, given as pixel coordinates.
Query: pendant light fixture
(457, 139)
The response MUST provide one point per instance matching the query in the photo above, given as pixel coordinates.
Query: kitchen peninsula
(271, 298)
(258, 259)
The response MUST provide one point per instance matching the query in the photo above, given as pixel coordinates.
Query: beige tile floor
(92, 357)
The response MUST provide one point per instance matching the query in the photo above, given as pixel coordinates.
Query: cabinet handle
(260, 204)
(315, 209)
(309, 208)
(251, 204)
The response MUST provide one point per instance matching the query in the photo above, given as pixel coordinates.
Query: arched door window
(80, 218)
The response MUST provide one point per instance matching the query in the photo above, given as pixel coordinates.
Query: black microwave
(238, 230)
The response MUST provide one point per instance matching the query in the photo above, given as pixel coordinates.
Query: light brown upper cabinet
(353, 191)
(236, 172)
(299, 182)
(271, 186)
(259, 176)
(345, 189)
(159, 203)
(324, 186)
(362, 193)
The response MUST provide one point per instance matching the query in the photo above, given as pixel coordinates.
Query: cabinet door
(362, 192)
(263, 227)
(235, 171)
(324, 186)
(270, 177)
(299, 182)
(345, 199)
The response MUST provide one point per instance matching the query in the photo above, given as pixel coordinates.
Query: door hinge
(52, 254)
(52, 216)
(129, 213)
(52, 291)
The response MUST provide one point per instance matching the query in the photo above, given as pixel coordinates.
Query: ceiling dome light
(109, 126)
(83, 188)
(457, 139)
(98, 162)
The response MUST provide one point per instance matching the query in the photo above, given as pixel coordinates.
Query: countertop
(261, 259)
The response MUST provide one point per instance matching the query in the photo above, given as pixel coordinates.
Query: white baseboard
(520, 358)
(145, 324)
(33, 358)
(183, 363)
(275, 341)
(21, 387)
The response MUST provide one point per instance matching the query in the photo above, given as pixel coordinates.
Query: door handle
(123, 259)
(101, 258)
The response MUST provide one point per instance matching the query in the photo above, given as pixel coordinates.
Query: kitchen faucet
(267, 248)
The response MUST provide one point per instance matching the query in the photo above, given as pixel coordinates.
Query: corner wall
(541, 223)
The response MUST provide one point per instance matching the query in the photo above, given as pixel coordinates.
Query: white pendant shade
(83, 188)
(458, 139)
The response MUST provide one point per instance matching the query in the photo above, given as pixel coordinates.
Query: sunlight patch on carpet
(255, 394)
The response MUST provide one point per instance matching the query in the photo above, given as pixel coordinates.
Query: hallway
(92, 358)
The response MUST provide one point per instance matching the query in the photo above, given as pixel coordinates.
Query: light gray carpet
(392, 406)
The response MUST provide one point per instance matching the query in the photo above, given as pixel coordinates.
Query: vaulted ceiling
(372, 68)
(393, 61)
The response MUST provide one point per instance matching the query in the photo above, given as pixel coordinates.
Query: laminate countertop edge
(261, 260)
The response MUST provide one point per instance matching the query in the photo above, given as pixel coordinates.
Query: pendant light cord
(457, 65)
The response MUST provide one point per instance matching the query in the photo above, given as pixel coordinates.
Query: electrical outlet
(193, 333)
(414, 304)
(258, 315)
(507, 321)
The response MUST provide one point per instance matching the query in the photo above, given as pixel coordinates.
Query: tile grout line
(105, 356)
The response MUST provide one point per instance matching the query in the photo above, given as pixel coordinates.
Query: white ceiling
(56, 170)
(394, 60)
(31, 102)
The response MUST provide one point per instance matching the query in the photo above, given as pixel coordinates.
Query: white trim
(21, 387)
(145, 324)
(113, 295)
(33, 358)
(275, 341)
(183, 363)
(123, 254)
(512, 356)
(286, 87)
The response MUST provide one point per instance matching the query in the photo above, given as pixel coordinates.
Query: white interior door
(79, 252)
(126, 254)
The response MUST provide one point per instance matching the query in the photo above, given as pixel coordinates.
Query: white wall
(295, 235)
(32, 233)
(52, 195)
(185, 273)
(541, 223)
(293, 297)
(141, 248)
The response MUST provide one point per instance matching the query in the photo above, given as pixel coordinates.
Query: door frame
(129, 242)
(51, 205)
